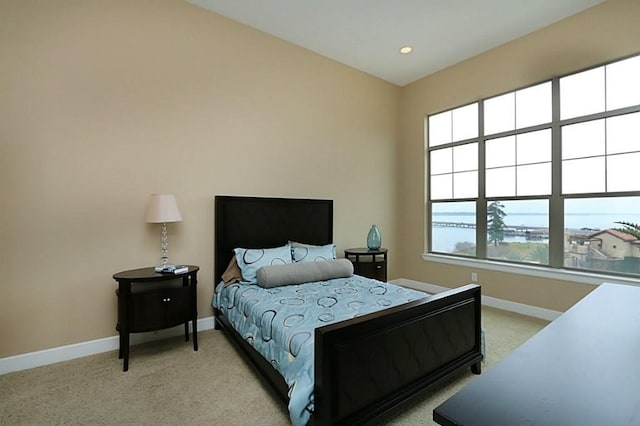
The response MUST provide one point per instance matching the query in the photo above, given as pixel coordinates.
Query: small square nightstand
(368, 263)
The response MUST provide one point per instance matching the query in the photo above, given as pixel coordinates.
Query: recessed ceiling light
(406, 49)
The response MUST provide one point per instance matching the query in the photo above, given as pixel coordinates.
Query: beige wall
(105, 102)
(599, 34)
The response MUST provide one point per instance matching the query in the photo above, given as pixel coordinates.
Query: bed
(421, 343)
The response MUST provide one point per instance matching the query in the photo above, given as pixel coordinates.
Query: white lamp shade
(163, 208)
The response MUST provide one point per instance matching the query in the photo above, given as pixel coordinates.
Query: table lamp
(163, 208)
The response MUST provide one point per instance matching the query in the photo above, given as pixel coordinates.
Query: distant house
(615, 244)
(609, 246)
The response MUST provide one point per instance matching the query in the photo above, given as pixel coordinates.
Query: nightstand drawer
(375, 270)
(154, 310)
(368, 263)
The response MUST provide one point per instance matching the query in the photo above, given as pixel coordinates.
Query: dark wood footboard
(369, 365)
(366, 366)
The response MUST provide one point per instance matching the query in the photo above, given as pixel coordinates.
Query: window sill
(532, 271)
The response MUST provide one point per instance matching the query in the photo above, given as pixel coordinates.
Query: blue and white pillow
(250, 260)
(309, 253)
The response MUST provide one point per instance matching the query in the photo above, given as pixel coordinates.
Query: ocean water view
(445, 238)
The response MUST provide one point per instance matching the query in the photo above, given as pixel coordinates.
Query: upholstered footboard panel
(369, 365)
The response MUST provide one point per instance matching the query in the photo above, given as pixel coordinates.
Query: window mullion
(556, 203)
(481, 202)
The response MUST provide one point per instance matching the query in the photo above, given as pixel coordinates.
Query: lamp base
(164, 268)
(172, 269)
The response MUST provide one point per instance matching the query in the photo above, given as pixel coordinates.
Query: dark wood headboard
(257, 222)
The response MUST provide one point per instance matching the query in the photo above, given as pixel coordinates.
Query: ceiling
(367, 34)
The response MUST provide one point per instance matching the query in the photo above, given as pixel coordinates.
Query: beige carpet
(170, 384)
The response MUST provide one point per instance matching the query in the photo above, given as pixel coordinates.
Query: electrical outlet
(474, 277)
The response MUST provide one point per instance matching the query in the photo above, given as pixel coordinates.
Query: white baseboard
(507, 305)
(78, 350)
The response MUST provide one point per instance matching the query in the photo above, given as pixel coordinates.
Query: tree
(540, 254)
(629, 228)
(466, 248)
(495, 222)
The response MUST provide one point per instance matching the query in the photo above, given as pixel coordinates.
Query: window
(519, 165)
(518, 230)
(512, 179)
(453, 228)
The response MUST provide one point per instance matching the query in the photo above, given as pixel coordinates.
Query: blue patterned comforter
(279, 323)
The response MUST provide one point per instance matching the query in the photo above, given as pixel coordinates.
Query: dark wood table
(149, 300)
(370, 263)
(582, 369)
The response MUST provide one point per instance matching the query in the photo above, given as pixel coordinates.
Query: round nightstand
(149, 300)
